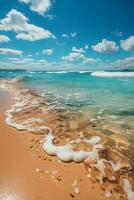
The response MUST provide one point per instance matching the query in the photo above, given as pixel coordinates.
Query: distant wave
(57, 72)
(67, 72)
(112, 74)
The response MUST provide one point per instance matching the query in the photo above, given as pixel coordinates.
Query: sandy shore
(27, 173)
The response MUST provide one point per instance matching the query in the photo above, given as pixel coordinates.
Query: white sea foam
(17, 79)
(101, 166)
(116, 166)
(83, 72)
(128, 189)
(77, 190)
(93, 140)
(76, 187)
(112, 74)
(6, 195)
(31, 120)
(66, 153)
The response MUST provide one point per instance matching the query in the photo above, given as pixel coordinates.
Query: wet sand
(27, 173)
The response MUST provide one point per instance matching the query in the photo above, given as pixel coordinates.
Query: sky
(67, 34)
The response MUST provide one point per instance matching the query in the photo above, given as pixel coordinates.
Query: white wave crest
(112, 74)
(66, 72)
(57, 72)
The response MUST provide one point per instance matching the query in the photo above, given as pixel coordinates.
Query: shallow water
(82, 119)
(109, 98)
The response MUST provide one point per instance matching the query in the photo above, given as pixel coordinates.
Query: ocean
(109, 95)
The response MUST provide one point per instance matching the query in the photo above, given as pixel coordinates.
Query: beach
(27, 172)
(67, 100)
(50, 152)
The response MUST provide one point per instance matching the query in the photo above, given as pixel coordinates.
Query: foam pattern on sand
(128, 189)
(66, 154)
(85, 144)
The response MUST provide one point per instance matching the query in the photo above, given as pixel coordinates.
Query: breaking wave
(67, 72)
(112, 74)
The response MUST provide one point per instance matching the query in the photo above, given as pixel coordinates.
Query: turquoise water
(110, 96)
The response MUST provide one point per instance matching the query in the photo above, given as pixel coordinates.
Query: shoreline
(35, 175)
(81, 187)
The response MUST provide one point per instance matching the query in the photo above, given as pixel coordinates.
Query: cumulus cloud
(4, 38)
(126, 62)
(128, 44)
(70, 35)
(73, 56)
(39, 6)
(10, 51)
(105, 46)
(81, 50)
(47, 51)
(17, 22)
(78, 54)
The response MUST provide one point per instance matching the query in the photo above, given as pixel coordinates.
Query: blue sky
(67, 34)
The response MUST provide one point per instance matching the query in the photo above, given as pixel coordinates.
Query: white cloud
(71, 35)
(50, 17)
(106, 46)
(73, 56)
(10, 51)
(89, 60)
(42, 61)
(4, 38)
(77, 54)
(81, 50)
(17, 22)
(120, 64)
(29, 64)
(39, 6)
(117, 33)
(21, 60)
(47, 51)
(65, 35)
(126, 62)
(128, 44)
